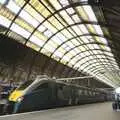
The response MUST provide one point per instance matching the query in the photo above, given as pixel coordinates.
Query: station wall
(19, 63)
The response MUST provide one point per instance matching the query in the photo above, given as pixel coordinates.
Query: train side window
(85, 92)
(97, 93)
(90, 93)
(60, 92)
(80, 92)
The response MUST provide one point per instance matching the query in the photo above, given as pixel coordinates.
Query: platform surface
(97, 111)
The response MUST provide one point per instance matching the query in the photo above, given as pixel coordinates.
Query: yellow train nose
(15, 95)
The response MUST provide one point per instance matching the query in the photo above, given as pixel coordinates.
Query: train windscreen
(24, 85)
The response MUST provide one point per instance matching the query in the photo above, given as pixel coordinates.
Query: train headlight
(20, 99)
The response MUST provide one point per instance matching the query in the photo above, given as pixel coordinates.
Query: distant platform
(98, 111)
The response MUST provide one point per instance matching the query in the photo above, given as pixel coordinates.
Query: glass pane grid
(60, 33)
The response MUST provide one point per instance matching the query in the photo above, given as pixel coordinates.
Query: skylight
(63, 32)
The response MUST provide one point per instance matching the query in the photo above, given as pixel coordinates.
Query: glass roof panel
(77, 30)
(66, 17)
(40, 8)
(33, 46)
(13, 6)
(103, 40)
(55, 23)
(58, 54)
(76, 18)
(56, 29)
(19, 2)
(4, 21)
(50, 26)
(75, 41)
(3, 1)
(36, 40)
(83, 28)
(56, 4)
(35, 14)
(98, 29)
(64, 2)
(23, 24)
(46, 3)
(6, 13)
(82, 13)
(90, 13)
(40, 35)
(16, 28)
(108, 53)
(66, 33)
(42, 28)
(27, 17)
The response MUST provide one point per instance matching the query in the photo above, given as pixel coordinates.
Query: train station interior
(59, 59)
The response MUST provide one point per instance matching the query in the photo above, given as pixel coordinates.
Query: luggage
(115, 106)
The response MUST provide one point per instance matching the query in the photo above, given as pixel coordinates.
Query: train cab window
(43, 86)
(24, 85)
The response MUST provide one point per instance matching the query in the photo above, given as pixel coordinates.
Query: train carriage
(47, 93)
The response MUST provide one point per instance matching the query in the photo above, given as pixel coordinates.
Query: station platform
(97, 111)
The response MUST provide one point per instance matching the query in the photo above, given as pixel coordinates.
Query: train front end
(16, 98)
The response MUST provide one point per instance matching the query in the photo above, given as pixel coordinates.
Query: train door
(53, 97)
(63, 94)
(74, 95)
(60, 96)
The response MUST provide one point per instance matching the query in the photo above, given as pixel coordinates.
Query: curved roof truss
(64, 30)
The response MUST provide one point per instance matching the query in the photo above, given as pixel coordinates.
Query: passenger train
(44, 93)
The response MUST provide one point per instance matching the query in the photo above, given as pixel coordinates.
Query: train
(45, 93)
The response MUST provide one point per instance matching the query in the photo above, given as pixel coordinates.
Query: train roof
(44, 78)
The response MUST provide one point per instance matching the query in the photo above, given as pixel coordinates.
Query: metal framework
(64, 30)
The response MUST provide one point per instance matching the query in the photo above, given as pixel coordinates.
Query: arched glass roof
(63, 30)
